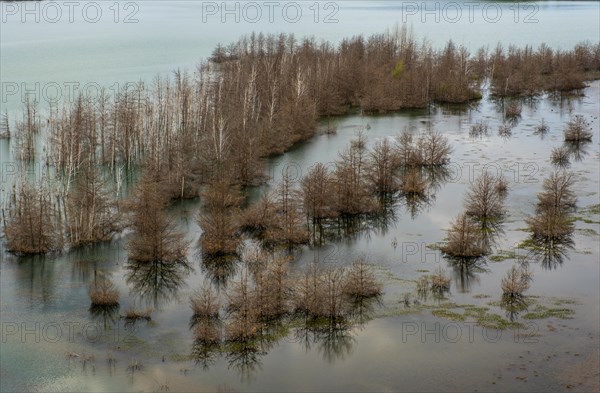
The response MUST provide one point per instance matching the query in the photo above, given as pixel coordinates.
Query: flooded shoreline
(56, 288)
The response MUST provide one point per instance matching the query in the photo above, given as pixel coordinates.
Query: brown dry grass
(103, 293)
(133, 314)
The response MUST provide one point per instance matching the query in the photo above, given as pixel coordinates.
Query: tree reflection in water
(245, 357)
(466, 271)
(108, 314)
(333, 338)
(578, 149)
(156, 282)
(206, 326)
(219, 269)
(551, 253)
(514, 306)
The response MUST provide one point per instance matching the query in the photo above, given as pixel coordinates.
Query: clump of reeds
(516, 281)
(542, 128)
(439, 281)
(577, 130)
(560, 157)
(512, 110)
(505, 131)
(501, 186)
(103, 293)
(478, 129)
(134, 314)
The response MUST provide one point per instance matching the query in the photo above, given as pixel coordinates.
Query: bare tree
(381, 170)
(484, 202)
(4, 126)
(217, 220)
(32, 226)
(578, 130)
(92, 210)
(516, 281)
(464, 238)
(155, 237)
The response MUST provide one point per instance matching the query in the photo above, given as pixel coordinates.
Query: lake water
(44, 303)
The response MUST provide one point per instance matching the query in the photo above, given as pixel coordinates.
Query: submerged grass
(503, 256)
(541, 312)
(447, 314)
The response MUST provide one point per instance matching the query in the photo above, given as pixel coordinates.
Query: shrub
(558, 192)
(577, 130)
(485, 199)
(103, 293)
(133, 314)
(435, 149)
(479, 129)
(361, 282)
(505, 131)
(464, 239)
(516, 281)
(31, 228)
(551, 225)
(512, 110)
(560, 157)
(155, 237)
(205, 304)
(439, 282)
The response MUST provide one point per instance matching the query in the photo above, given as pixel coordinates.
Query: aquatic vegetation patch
(587, 232)
(447, 314)
(480, 315)
(593, 209)
(542, 312)
(503, 256)
(495, 321)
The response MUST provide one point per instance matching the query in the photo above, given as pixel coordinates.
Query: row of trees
(262, 94)
(361, 182)
(267, 294)
(529, 72)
